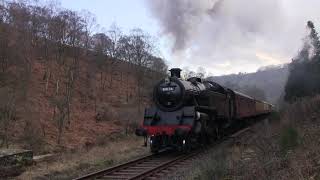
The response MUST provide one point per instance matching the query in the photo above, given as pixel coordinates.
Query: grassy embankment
(285, 147)
(69, 165)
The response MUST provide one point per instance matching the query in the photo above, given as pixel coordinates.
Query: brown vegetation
(74, 164)
(60, 86)
(285, 147)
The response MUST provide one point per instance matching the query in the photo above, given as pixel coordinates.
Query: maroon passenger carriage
(187, 113)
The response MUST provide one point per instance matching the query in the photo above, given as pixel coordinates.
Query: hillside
(63, 87)
(96, 112)
(283, 146)
(271, 80)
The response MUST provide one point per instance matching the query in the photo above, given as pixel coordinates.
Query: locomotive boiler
(193, 112)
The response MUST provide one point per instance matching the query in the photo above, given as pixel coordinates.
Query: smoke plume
(226, 34)
(186, 19)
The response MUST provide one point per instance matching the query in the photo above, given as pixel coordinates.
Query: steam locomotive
(193, 112)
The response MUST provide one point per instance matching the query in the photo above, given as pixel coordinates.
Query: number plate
(166, 89)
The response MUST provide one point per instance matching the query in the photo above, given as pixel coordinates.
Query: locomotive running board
(205, 109)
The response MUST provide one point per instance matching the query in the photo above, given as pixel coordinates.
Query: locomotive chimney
(175, 72)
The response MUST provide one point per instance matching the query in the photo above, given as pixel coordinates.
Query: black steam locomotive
(188, 113)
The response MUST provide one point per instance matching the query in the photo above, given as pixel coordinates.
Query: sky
(125, 13)
(222, 36)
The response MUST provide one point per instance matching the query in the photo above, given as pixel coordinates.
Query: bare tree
(137, 50)
(68, 39)
(7, 113)
(41, 17)
(90, 24)
(158, 70)
(77, 31)
(60, 39)
(17, 53)
(4, 39)
(113, 49)
(141, 50)
(100, 43)
(125, 51)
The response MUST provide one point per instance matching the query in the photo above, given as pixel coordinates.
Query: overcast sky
(223, 36)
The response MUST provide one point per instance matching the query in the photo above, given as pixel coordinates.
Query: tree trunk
(111, 77)
(127, 87)
(47, 83)
(54, 113)
(57, 87)
(139, 97)
(6, 137)
(101, 79)
(59, 137)
(95, 105)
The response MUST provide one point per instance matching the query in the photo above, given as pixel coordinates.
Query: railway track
(153, 166)
(148, 167)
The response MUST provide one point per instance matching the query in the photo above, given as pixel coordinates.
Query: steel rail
(152, 165)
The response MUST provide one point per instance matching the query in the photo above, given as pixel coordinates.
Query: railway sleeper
(112, 177)
(131, 170)
(125, 173)
(151, 163)
(151, 178)
(139, 168)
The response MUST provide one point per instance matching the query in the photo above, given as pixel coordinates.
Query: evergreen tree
(314, 38)
(304, 74)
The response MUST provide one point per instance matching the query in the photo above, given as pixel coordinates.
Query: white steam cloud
(227, 36)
